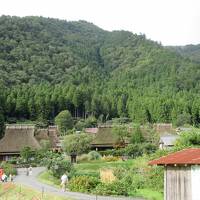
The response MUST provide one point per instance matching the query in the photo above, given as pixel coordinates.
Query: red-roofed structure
(182, 174)
(184, 157)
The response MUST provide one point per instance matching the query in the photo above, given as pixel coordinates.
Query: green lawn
(95, 166)
(47, 178)
(11, 191)
(149, 194)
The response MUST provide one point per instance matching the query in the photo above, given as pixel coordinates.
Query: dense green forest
(190, 51)
(49, 65)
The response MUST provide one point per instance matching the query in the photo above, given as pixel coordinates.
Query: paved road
(32, 182)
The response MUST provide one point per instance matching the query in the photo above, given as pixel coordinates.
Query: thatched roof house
(168, 141)
(105, 138)
(163, 128)
(50, 134)
(15, 139)
(19, 136)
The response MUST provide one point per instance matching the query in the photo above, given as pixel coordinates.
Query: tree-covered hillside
(190, 51)
(49, 65)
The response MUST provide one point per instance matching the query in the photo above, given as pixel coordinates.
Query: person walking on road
(64, 181)
(30, 171)
(4, 177)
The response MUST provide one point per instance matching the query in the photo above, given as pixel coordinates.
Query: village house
(19, 136)
(104, 138)
(167, 141)
(162, 128)
(182, 174)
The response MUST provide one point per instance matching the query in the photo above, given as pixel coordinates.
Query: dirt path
(32, 182)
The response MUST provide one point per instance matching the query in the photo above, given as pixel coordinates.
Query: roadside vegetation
(132, 177)
(12, 192)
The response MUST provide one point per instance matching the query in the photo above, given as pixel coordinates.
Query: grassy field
(11, 191)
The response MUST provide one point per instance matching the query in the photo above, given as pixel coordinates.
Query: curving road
(32, 182)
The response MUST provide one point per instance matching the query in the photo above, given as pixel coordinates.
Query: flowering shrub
(8, 168)
(113, 188)
(83, 183)
(110, 158)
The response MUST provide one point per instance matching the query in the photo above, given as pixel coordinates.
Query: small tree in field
(26, 153)
(121, 133)
(76, 143)
(137, 136)
(64, 121)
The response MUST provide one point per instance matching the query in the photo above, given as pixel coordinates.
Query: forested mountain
(190, 51)
(48, 65)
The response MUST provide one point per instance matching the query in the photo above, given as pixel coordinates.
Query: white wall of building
(195, 179)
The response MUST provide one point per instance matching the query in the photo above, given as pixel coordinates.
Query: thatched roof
(42, 134)
(53, 136)
(105, 137)
(91, 130)
(17, 138)
(164, 128)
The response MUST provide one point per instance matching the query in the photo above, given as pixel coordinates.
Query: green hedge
(132, 150)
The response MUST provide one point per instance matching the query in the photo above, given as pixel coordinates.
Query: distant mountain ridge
(190, 51)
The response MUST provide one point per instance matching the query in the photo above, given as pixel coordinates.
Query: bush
(134, 180)
(45, 157)
(188, 139)
(90, 122)
(132, 150)
(137, 136)
(159, 153)
(80, 125)
(131, 177)
(77, 143)
(12, 161)
(119, 172)
(82, 173)
(27, 153)
(83, 157)
(183, 119)
(59, 166)
(94, 155)
(64, 121)
(110, 158)
(155, 178)
(149, 148)
(107, 152)
(8, 168)
(114, 188)
(83, 184)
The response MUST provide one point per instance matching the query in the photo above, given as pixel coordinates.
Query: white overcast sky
(171, 22)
